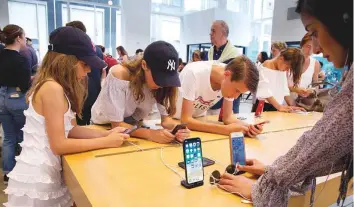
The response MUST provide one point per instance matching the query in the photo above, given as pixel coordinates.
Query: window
(167, 28)
(92, 17)
(33, 21)
(199, 5)
(119, 29)
(168, 2)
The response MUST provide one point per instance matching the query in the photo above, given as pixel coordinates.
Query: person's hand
(235, 127)
(252, 166)
(295, 108)
(162, 136)
(117, 129)
(182, 134)
(115, 139)
(285, 109)
(253, 131)
(301, 91)
(306, 92)
(238, 185)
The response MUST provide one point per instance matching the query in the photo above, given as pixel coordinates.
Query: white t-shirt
(196, 87)
(272, 83)
(116, 102)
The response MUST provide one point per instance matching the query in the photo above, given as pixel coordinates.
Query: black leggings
(267, 107)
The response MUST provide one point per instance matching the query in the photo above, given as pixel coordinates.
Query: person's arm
(162, 136)
(24, 74)
(316, 150)
(80, 132)
(125, 58)
(197, 125)
(228, 116)
(290, 101)
(54, 107)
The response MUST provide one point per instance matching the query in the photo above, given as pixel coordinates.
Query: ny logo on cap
(171, 65)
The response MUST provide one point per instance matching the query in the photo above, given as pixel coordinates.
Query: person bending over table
(273, 85)
(328, 147)
(204, 83)
(132, 89)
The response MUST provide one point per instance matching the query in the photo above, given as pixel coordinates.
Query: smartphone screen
(193, 160)
(237, 148)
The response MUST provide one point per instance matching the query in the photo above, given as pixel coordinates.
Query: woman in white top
(132, 89)
(273, 85)
(310, 70)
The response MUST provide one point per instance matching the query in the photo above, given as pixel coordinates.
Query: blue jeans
(235, 108)
(12, 105)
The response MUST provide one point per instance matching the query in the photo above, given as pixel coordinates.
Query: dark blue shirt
(30, 54)
(217, 53)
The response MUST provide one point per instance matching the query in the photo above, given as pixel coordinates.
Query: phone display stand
(189, 186)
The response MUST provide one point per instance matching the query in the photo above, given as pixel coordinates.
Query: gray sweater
(329, 142)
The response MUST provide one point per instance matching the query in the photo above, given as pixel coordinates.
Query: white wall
(4, 13)
(284, 30)
(135, 25)
(239, 26)
(196, 27)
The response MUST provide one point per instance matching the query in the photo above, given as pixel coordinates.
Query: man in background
(30, 54)
(94, 80)
(222, 51)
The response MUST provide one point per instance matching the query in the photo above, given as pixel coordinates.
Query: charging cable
(169, 166)
(139, 148)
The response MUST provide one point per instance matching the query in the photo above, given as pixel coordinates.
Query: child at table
(273, 84)
(58, 92)
(132, 89)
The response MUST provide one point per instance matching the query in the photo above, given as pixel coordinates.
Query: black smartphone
(206, 162)
(192, 152)
(261, 123)
(131, 130)
(178, 127)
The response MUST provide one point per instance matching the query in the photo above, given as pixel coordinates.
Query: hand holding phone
(178, 127)
(261, 123)
(131, 130)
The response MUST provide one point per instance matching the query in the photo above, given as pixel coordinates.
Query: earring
(346, 17)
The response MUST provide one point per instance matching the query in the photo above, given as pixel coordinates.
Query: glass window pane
(43, 30)
(27, 20)
(119, 29)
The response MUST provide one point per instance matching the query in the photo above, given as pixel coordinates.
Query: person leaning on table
(328, 147)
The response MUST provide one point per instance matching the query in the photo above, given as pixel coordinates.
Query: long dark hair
(296, 59)
(9, 34)
(339, 23)
(264, 56)
(122, 50)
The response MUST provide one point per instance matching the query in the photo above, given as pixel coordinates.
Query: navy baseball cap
(72, 41)
(162, 59)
